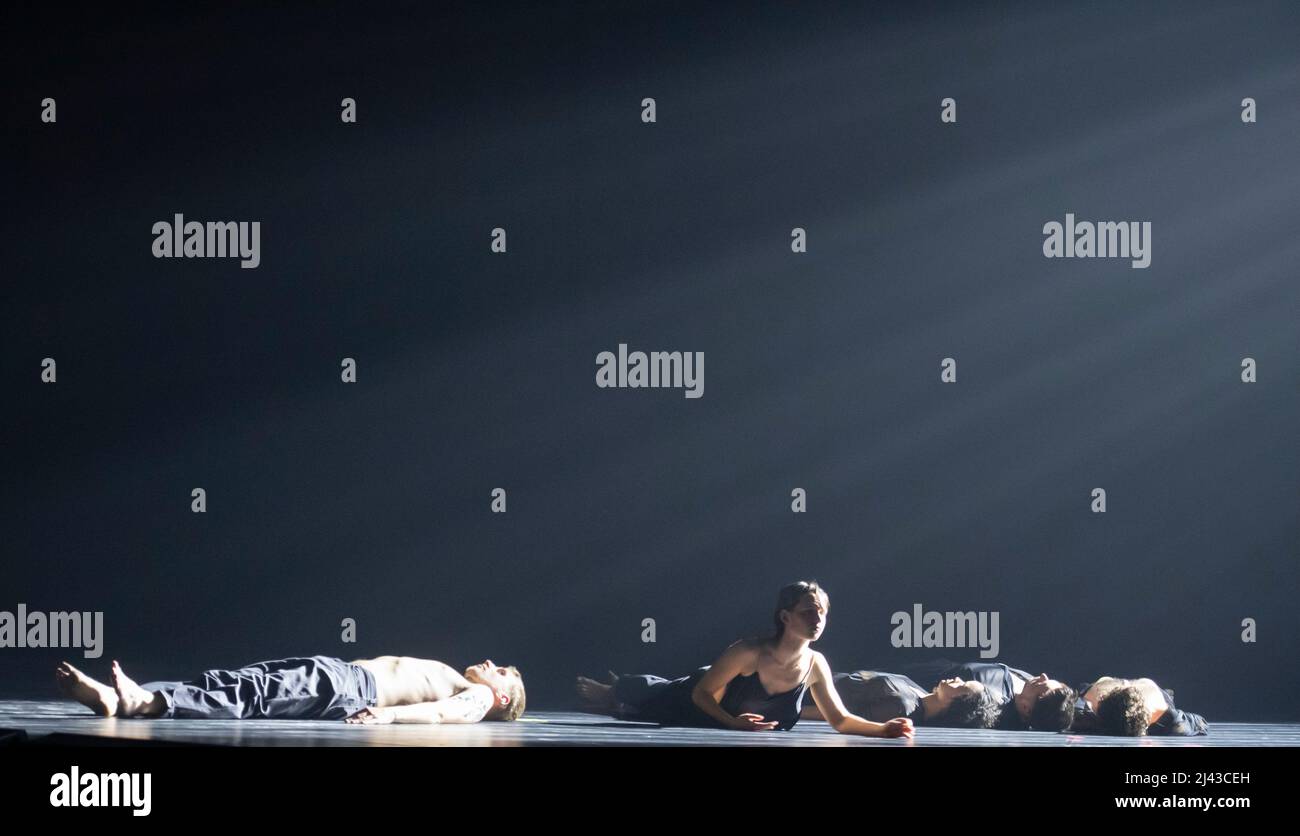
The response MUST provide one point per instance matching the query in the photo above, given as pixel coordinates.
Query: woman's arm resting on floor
(832, 707)
(708, 692)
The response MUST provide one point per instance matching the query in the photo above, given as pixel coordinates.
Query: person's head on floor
(1054, 710)
(1009, 718)
(1045, 704)
(801, 610)
(507, 686)
(1123, 712)
(964, 704)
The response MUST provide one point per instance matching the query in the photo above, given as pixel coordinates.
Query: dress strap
(811, 661)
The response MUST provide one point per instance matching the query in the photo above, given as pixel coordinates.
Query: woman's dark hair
(1054, 710)
(969, 711)
(1009, 718)
(791, 595)
(1123, 712)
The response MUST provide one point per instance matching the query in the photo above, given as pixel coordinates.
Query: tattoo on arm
(469, 706)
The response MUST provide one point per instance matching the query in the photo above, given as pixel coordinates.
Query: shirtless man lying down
(386, 689)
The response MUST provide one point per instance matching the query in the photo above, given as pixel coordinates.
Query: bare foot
(96, 696)
(597, 695)
(133, 700)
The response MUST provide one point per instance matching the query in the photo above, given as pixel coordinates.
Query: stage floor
(549, 728)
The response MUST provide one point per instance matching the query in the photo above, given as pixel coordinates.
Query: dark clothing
(653, 699)
(998, 679)
(1178, 723)
(305, 688)
(880, 697)
(1085, 719)
(1173, 722)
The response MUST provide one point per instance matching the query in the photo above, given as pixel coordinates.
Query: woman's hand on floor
(898, 727)
(754, 722)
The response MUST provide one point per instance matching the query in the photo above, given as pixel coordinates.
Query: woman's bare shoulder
(747, 648)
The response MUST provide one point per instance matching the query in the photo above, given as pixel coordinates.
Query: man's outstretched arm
(469, 706)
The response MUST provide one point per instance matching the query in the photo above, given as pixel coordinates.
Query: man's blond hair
(515, 691)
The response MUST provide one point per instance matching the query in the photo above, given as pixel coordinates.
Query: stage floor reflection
(54, 721)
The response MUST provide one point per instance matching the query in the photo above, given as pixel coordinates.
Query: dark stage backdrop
(475, 370)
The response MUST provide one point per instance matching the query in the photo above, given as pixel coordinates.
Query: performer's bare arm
(708, 692)
(822, 687)
(469, 706)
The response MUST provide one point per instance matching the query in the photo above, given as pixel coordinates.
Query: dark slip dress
(652, 699)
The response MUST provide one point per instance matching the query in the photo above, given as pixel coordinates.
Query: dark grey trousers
(300, 687)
